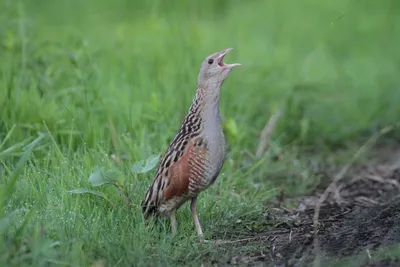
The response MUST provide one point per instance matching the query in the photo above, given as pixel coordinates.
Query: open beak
(220, 60)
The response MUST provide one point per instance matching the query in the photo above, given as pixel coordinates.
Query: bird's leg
(173, 221)
(196, 218)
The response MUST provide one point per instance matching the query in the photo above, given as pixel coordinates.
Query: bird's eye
(210, 61)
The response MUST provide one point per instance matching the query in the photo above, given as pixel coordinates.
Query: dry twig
(266, 133)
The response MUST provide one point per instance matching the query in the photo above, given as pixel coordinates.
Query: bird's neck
(206, 101)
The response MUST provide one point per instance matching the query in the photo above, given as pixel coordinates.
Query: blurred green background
(117, 77)
(133, 59)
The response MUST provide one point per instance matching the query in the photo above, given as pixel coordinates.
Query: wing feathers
(179, 177)
(180, 174)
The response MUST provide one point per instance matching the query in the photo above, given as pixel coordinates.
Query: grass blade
(9, 189)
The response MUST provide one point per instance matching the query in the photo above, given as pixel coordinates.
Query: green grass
(95, 78)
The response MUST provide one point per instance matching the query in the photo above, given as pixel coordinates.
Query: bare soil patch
(360, 218)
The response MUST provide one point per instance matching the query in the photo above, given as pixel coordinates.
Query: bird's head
(213, 70)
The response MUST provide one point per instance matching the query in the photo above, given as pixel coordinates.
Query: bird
(196, 155)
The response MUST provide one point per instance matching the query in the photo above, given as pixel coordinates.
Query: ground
(358, 220)
(92, 92)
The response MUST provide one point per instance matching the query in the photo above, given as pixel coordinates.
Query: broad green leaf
(147, 165)
(232, 128)
(80, 191)
(100, 177)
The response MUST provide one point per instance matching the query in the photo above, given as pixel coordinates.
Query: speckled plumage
(195, 156)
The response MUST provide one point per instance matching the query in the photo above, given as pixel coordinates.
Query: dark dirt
(357, 222)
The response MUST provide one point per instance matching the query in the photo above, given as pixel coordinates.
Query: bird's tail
(150, 202)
